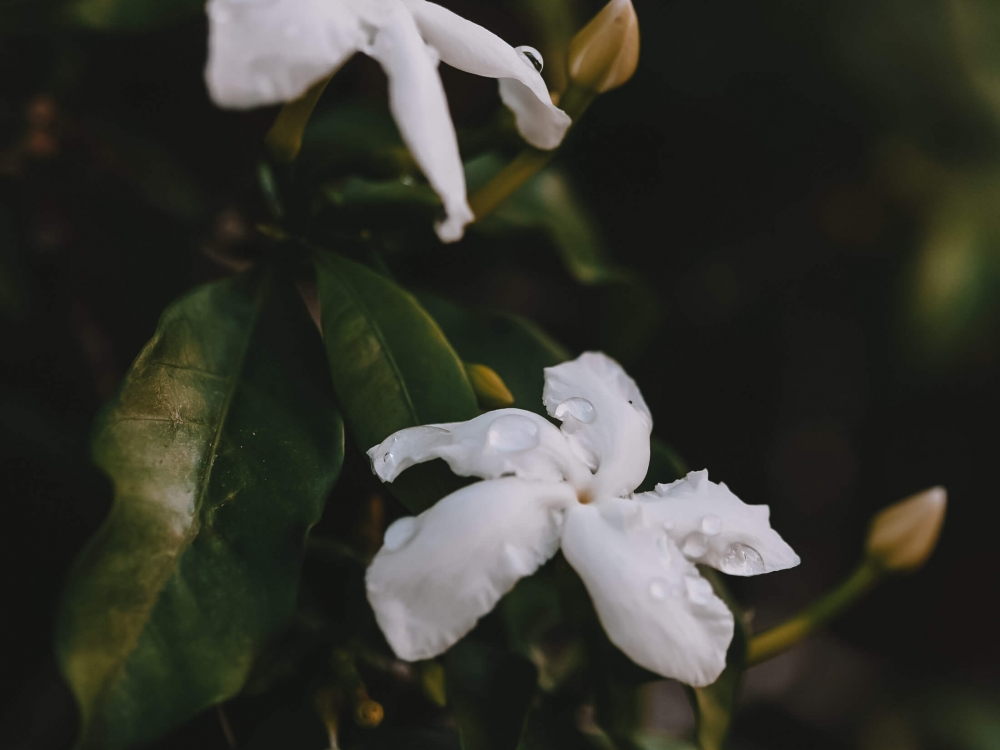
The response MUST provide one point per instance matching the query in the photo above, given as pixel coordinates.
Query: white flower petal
(438, 573)
(499, 443)
(714, 527)
(605, 417)
(418, 104)
(270, 51)
(652, 601)
(469, 47)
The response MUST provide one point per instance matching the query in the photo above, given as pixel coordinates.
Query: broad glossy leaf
(392, 368)
(222, 443)
(714, 705)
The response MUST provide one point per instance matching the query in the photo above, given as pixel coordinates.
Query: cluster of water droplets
(579, 408)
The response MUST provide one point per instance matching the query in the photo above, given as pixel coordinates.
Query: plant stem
(772, 642)
(528, 163)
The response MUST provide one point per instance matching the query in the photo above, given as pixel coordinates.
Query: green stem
(772, 642)
(528, 163)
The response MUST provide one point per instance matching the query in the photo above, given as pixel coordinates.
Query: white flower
(548, 488)
(269, 51)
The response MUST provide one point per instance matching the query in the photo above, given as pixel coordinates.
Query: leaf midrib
(383, 345)
(202, 490)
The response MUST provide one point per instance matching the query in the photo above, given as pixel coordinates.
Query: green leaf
(490, 691)
(714, 705)
(130, 15)
(222, 443)
(515, 348)
(392, 368)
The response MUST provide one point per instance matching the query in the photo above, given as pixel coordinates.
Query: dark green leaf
(223, 443)
(130, 15)
(664, 465)
(490, 691)
(392, 368)
(714, 705)
(513, 347)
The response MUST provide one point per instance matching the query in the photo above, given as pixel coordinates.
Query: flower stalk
(900, 540)
(529, 162)
(602, 56)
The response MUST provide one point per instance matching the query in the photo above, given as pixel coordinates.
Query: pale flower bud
(604, 54)
(904, 535)
(491, 391)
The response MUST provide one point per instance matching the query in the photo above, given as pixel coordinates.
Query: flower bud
(604, 54)
(904, 535)
(491, 392)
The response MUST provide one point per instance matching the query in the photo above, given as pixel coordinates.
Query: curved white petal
(438, 573)
(714, 527)
(418, 104)
(469, 47)
(652, 601)
(499, 443)
(605, 418)
(270, 51)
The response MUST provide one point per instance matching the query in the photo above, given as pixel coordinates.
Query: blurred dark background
(810, 193)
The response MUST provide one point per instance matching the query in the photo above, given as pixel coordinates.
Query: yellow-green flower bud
(904, 535)
(491, 391)
(604, 54)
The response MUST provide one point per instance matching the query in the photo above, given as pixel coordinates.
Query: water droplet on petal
(513, 434)
(741, 560)
(400, 533)
(711, 525)
(663, 549)
(695, 545)
(533, 56)
(699, 590)
(580, 408)
(658, 589)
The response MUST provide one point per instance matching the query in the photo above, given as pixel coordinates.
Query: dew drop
(741, 560)
(579, 408)
(533, 56)
(699, 591)
(399, 533)
(695, 545)
(513, 434)
(658, 589)
(711, 525)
